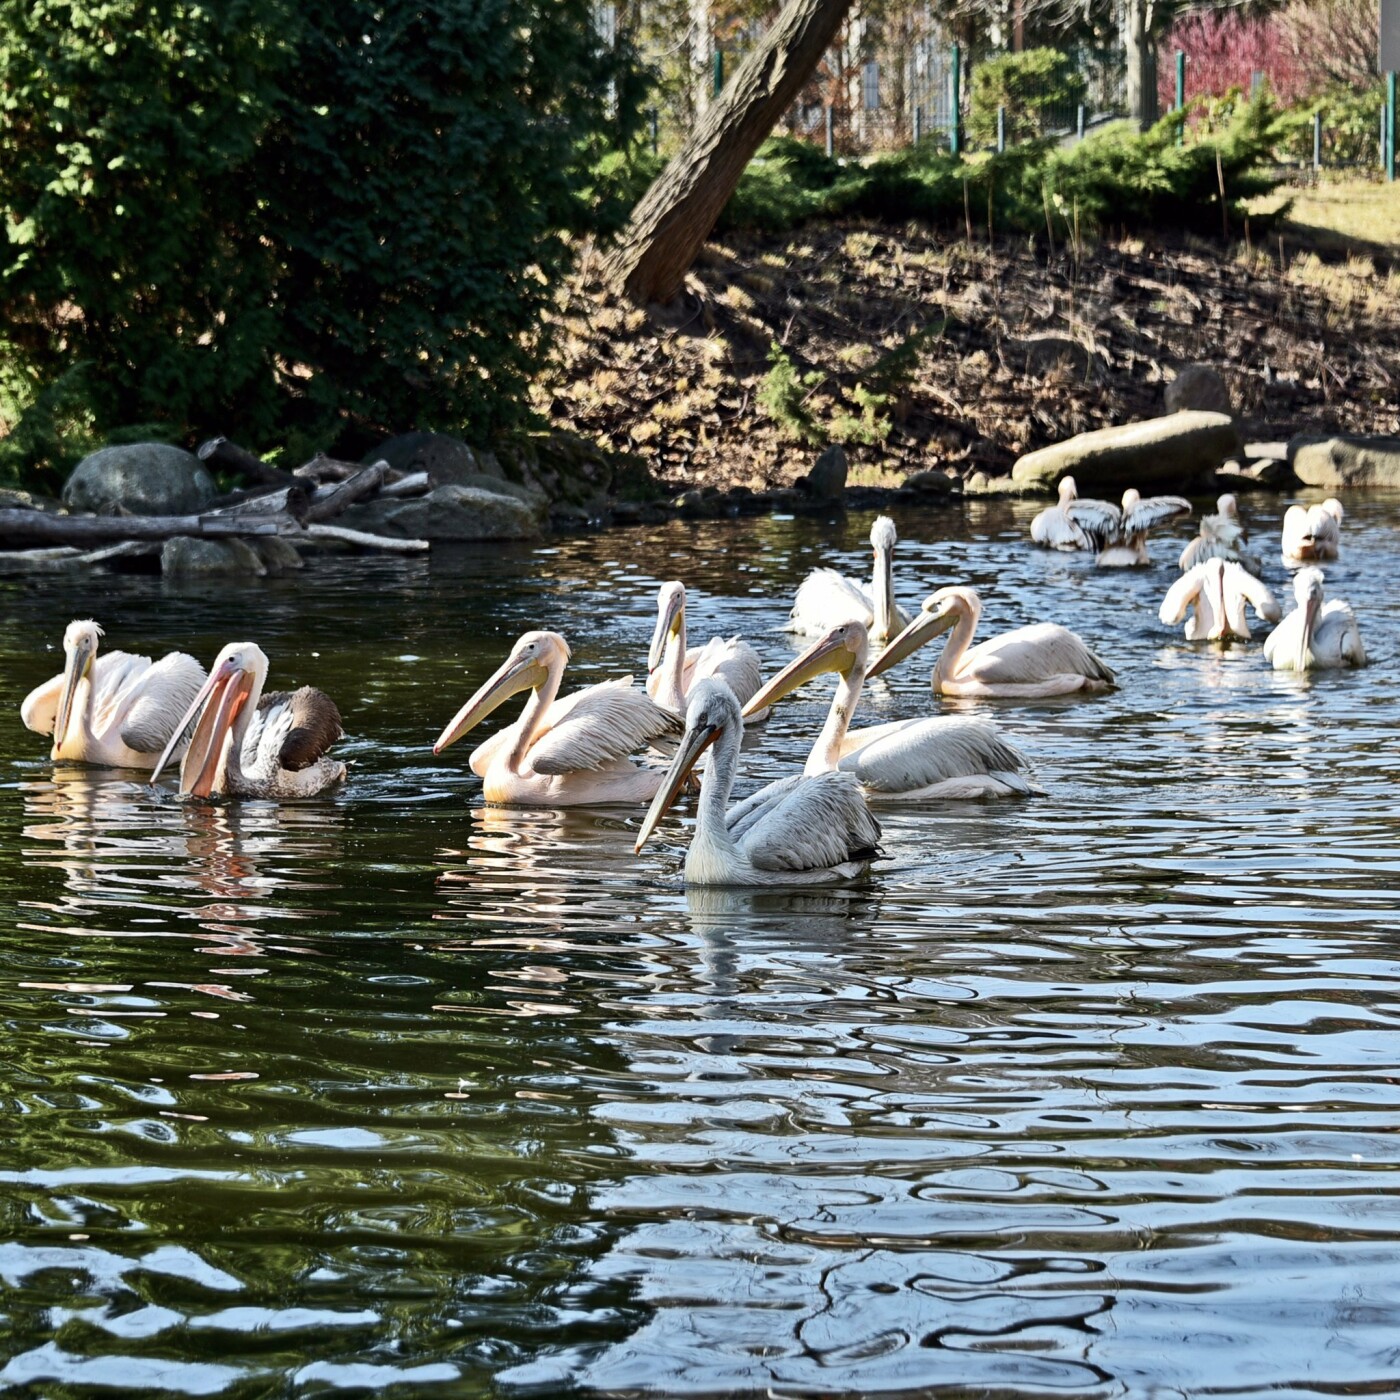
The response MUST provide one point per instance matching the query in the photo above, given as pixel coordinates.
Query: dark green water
(1094, 1094)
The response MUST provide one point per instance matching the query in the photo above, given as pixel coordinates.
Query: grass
(1338, 217)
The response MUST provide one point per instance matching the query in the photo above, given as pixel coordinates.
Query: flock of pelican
(609, 743)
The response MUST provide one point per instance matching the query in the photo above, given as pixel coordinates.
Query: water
(1091, 1094)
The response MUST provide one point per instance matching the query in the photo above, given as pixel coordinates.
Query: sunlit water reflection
(1088, 1094)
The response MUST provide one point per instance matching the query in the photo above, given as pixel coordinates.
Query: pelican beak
(1305, 635)
(76, 665)
(924, 628)
(668, 623)
(220, 700)
(513, 676)
(885, 623)
(693, 743)
(829, 654)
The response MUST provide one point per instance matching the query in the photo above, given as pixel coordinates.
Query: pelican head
(1131, 497)
(223, 707)
(1068, 490)
(941, 610)
(882, 540)
(841, 649)
(1228, 506)
(670, 618)
(711, 710)
(1307, 589)
(883, 536)
(1333, 507)
(80, 641)
(531, 661)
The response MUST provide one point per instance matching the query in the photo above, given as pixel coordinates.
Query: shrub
(1350, 128)
(1040, 89)
(784, 393)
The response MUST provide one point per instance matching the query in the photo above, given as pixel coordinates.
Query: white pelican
(805, 830)
(1053, 527)
(1120, 533)
(1313, 637)
(1314, 534)
(908, 759)
(1216, 591)
(674, 669)
(1027, 662)
(247, 744)
(827, 598)
(1222, 536)
(116, 709)
(570, 752)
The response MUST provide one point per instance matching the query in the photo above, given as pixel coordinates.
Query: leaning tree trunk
(676, 214)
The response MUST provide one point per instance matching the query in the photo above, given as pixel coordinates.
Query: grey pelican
(1314, 636)
(116, 709)
(1120, 533)
(1025, 663)
(247, 744)
(1222, 536)
(827, 598)
(906, 760)
(570, 752)
(1216, 591)
(674, 669)
(806, 830)
(1312, 535)
(1053, 527)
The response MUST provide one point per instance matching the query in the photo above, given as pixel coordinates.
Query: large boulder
(827, 479)
(142, 478)
(445, 459)
(1198, 387)
(1346, 461)
(451, 513)
(187, 557)
(1169, 451)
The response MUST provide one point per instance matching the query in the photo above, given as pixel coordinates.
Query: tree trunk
(1141, 46)
(676, 214)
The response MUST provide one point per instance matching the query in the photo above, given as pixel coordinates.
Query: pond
(1091, 1093)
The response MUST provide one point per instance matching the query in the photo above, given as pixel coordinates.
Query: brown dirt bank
(918, 351)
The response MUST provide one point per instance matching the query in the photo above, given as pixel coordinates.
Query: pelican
(1313, 637)
(674, 669)
(807, 830)
(1028, 662)
(247, 744)
(1216, 591)
(1314, 534)
(1222, 536)
(571, 752)
(904, 761)
(1120, 533)
(827, 597)
(1053, 527)
(116, 709)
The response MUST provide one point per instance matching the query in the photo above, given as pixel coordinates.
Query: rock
(445, 459)
(930, 483)
(1346, 461)
(1201, 388)
(278, 555)
(143, 478)
(980, 484)
(186, 557)
(827, 479)
(1039, 355)
(695, 505)
(27, 500)
(450, 513)
(1159, 452)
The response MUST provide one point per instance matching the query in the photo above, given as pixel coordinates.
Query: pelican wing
(599, 726)
(157, 699)
(826, 599)
(1055, 530)
(1182, 593)
(296, 728)
(1338, 635)
(1101, 522)
(1027, 655)
(732, 660)
(1152, 511)
(743, 815)
(1257, 594)
(821, 822)
(39, 709)
(912, 754)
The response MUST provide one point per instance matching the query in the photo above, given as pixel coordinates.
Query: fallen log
(414, 484)
(359, 537)
(289, 500)
(64, 557)
(228, 456)
(32, 527)
(364, 483)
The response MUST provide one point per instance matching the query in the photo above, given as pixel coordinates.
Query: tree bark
(676, 214)
(220, 452)
(1141, 46)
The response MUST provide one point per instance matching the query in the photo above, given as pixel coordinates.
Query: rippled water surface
(1090, 1094)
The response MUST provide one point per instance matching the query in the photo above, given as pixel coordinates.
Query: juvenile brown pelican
(805, 831)
(907, 760)
(116, 709)
(570, 752)
(1216, 591)
(1222, 536)
(1053, 527)
(827, 598)
(1120, 533)
(1314, 636)
(1312, 535)
(1027, 662)
(247, 744)
(674, 669)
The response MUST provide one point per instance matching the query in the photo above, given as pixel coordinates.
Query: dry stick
(365, 481)
(991, 190)
(1224, 212)
(359, 537)
(414, 484)
(967, 212)
(38, 527)
(1248, 245)
(1049, 226)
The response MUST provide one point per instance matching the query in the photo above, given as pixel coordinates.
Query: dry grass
(1340, 216)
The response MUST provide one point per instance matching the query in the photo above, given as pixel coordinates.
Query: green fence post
(955, 101)
(1390, 95)
(719, 71)
(1180, 95)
